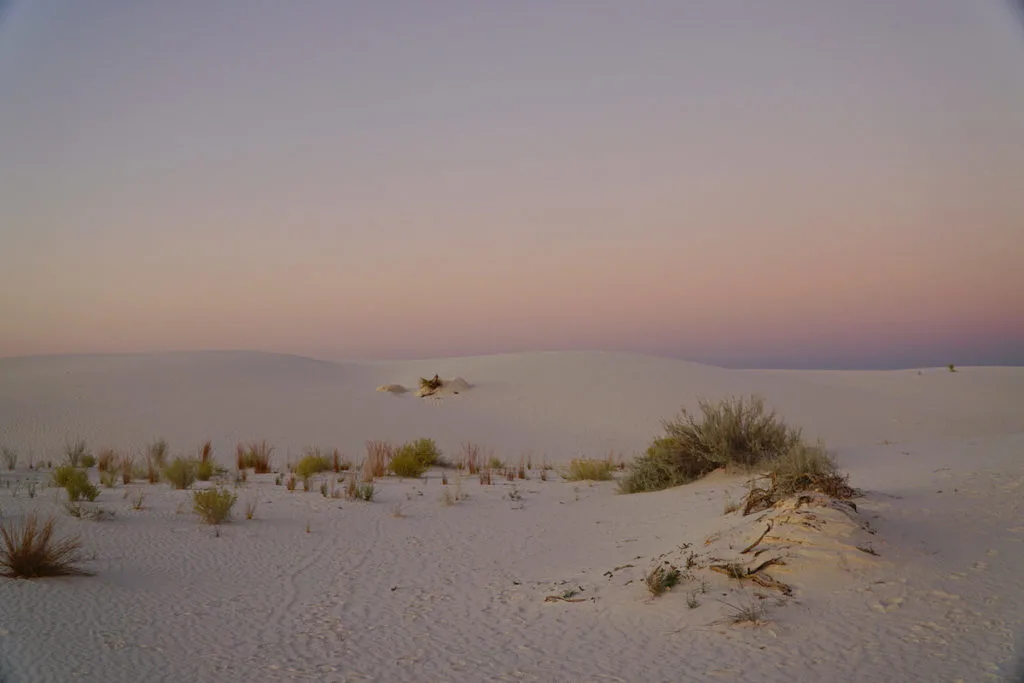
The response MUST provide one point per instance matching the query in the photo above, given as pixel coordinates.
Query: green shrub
(427, 451)
(588, 469)
(75, 482)
(732, 432)
(213, 505)
(88, 460)
(181, 473)
(205, 469)
(405, 462)
(314, 462)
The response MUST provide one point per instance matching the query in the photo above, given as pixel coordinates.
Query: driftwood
(735, 570)
(759, 539)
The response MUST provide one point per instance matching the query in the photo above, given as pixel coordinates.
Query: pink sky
(787, 186)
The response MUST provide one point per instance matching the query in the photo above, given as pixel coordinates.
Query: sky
(800, 183)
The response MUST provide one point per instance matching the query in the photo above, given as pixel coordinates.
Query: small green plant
(137, 499)
(952, 368)
(495, 463)
(181, 473)
(355, 490)
(10, 457)
(88, 460)
(75, 482)
(407, 463)
(314, 462)
(661, 579)
(581, 469)
(251, 503)
(30, 551)
(750, 611)
(75, 452)
(205, 469)
(108, 478)
(213, 505)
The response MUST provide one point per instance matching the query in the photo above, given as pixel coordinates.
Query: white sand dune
(407, 589)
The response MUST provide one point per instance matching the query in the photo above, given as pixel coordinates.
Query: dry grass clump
(109, 477)
(662, 578)
(735, 432)
(355, 490)
(803, 468)
(75, 452)
(752, 611)
(340, 463)
(181, 473)
(205, 467)
(157, 452)
(378, 456)
(581, 469)
(107, 460)
(469, 457)
(127, 466)
(29, 551)
(10, 457)
(255, 456)
(213, 505)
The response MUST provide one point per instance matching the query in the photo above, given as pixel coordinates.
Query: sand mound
(449, 387)
(392, 388)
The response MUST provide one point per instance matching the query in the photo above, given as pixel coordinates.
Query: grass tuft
(662, 579)
(75, 482)
(10, 457)
(581, 469)
(181, 473)
(213, 505)
(29, 551)
(314, 462)
(378, 456)
(75, 452)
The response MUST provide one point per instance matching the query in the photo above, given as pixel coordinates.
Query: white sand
(458, 593)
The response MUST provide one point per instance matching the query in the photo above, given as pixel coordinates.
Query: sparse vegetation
(75, 482)
(952, 368)
(30, 550)
(378, 456)
(181, 473)
(733, 432)
(581, 469)
(75, 452)
(314, 462)
(213, 505)
(157, 453)
(469, 457)
(751, 611)
(414, 458)
(108, 478)
(10, 457)
(107, 460)
(251, 503)
(803, 468)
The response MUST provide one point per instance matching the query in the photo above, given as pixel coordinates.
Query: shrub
(181, 473)
(414, 458)
(74, 452)
(213, 505)
(30, 551)
(205, 469)
(802, 468)
(109, 478)
(75, 482)
(88, 461)
(314, 462)
(10, 457)
(732, 432)
(662, 578)
(587, 469)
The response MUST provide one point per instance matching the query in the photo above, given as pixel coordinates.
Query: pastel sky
(795, 183)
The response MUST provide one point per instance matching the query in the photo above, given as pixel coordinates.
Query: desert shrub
(181, 473)
(205, 469)
(405, 462)
(10, 457)
(213, 505)
(75, 452)
(75, 482)
(256, 456)
(586, 469)
(88, 461)
(427, 451)
(364, 492)
(661, 579)
(802, 468)
(108, 478)
(157, 452)
(735, 431)
(314, 462)
(29, 550)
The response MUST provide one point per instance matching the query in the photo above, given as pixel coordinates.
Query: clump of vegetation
(733, 432)
(802, 468)
(429, 387)
(127, 469)
(107, 460)
(662, 578)
(108, 478)
(314, 462)
(181, 473)
(752, 612)
(157, 452)
(378, 456)
(213, 505)
(10, 457)
(205, 467)
(355, 490)
(952, 368)
(30, 551)
(414, 458)
(581, 469)
(256, 456)
(75, 452)
(75, 482)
